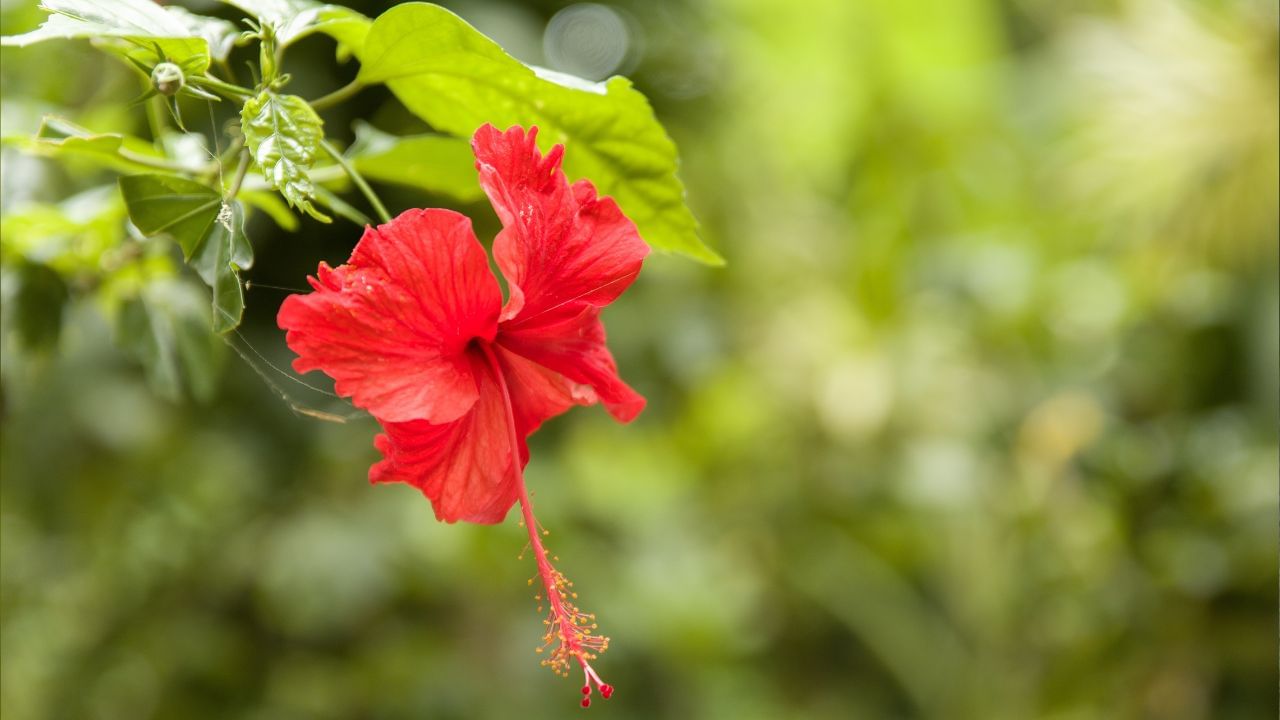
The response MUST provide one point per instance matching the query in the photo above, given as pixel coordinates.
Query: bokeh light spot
(587, 40)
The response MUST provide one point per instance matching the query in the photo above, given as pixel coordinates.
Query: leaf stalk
(241, 171)
(226, 89)
(337, 96)
(359, 180)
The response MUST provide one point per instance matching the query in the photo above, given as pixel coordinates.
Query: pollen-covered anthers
(570, 635)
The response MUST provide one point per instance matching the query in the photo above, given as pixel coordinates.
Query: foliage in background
(978, 422)
(442, 69)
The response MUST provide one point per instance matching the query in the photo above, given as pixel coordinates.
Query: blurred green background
(979, 421)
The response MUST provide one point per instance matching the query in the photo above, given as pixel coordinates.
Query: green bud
(167, 78)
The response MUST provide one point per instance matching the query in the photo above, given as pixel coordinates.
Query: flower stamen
(570, 633)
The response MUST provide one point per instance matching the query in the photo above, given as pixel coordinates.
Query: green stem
(226, 69)
(226, 89)
(369, 195)
(326, 174)
(241, 171)
(155, 121)
(154, 163)
(236, 143)
(338, 95)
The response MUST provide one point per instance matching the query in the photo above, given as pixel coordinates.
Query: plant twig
(326, 174)
(369, 195)
(154, 163)
(155, 120)
(226, 89)
(240, 173)
(237, 142)
(338, 95)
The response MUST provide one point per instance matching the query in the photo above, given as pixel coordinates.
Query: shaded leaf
(143, 25)
(435, 163)
(457, 79)
(181, 208)
(283, 133)
(210, 232)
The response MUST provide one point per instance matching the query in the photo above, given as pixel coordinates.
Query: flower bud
(167, 78)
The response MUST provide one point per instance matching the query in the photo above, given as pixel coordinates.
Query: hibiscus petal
(561, 248)
(575, 348)
(464, 466)
(392, 326)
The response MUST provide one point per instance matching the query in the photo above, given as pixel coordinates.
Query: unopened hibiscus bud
(167, 78)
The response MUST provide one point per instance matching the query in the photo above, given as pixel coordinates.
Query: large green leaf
(59, 137)
(283, 133)
(222, 35)
(435, 163)
(181, 208)
(296, 19)
(457, 79)
(209, 230)
(142, 24)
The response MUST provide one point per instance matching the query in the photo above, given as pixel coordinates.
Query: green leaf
(435, 163)
(457, 79)
(143, 25)
(210, 232)
(61, 138)
(296, 19)
(166, 329)
(283, 133)
(181, 208)
(218, 259)
(221, 35)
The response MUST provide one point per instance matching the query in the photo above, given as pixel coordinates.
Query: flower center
(570, 633)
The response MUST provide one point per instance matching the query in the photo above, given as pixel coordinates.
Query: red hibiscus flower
(414, 330)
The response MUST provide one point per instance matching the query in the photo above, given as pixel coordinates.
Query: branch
(240, 173)
(226, 89)
(338, 95)
(154, 163)
(369, 195)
